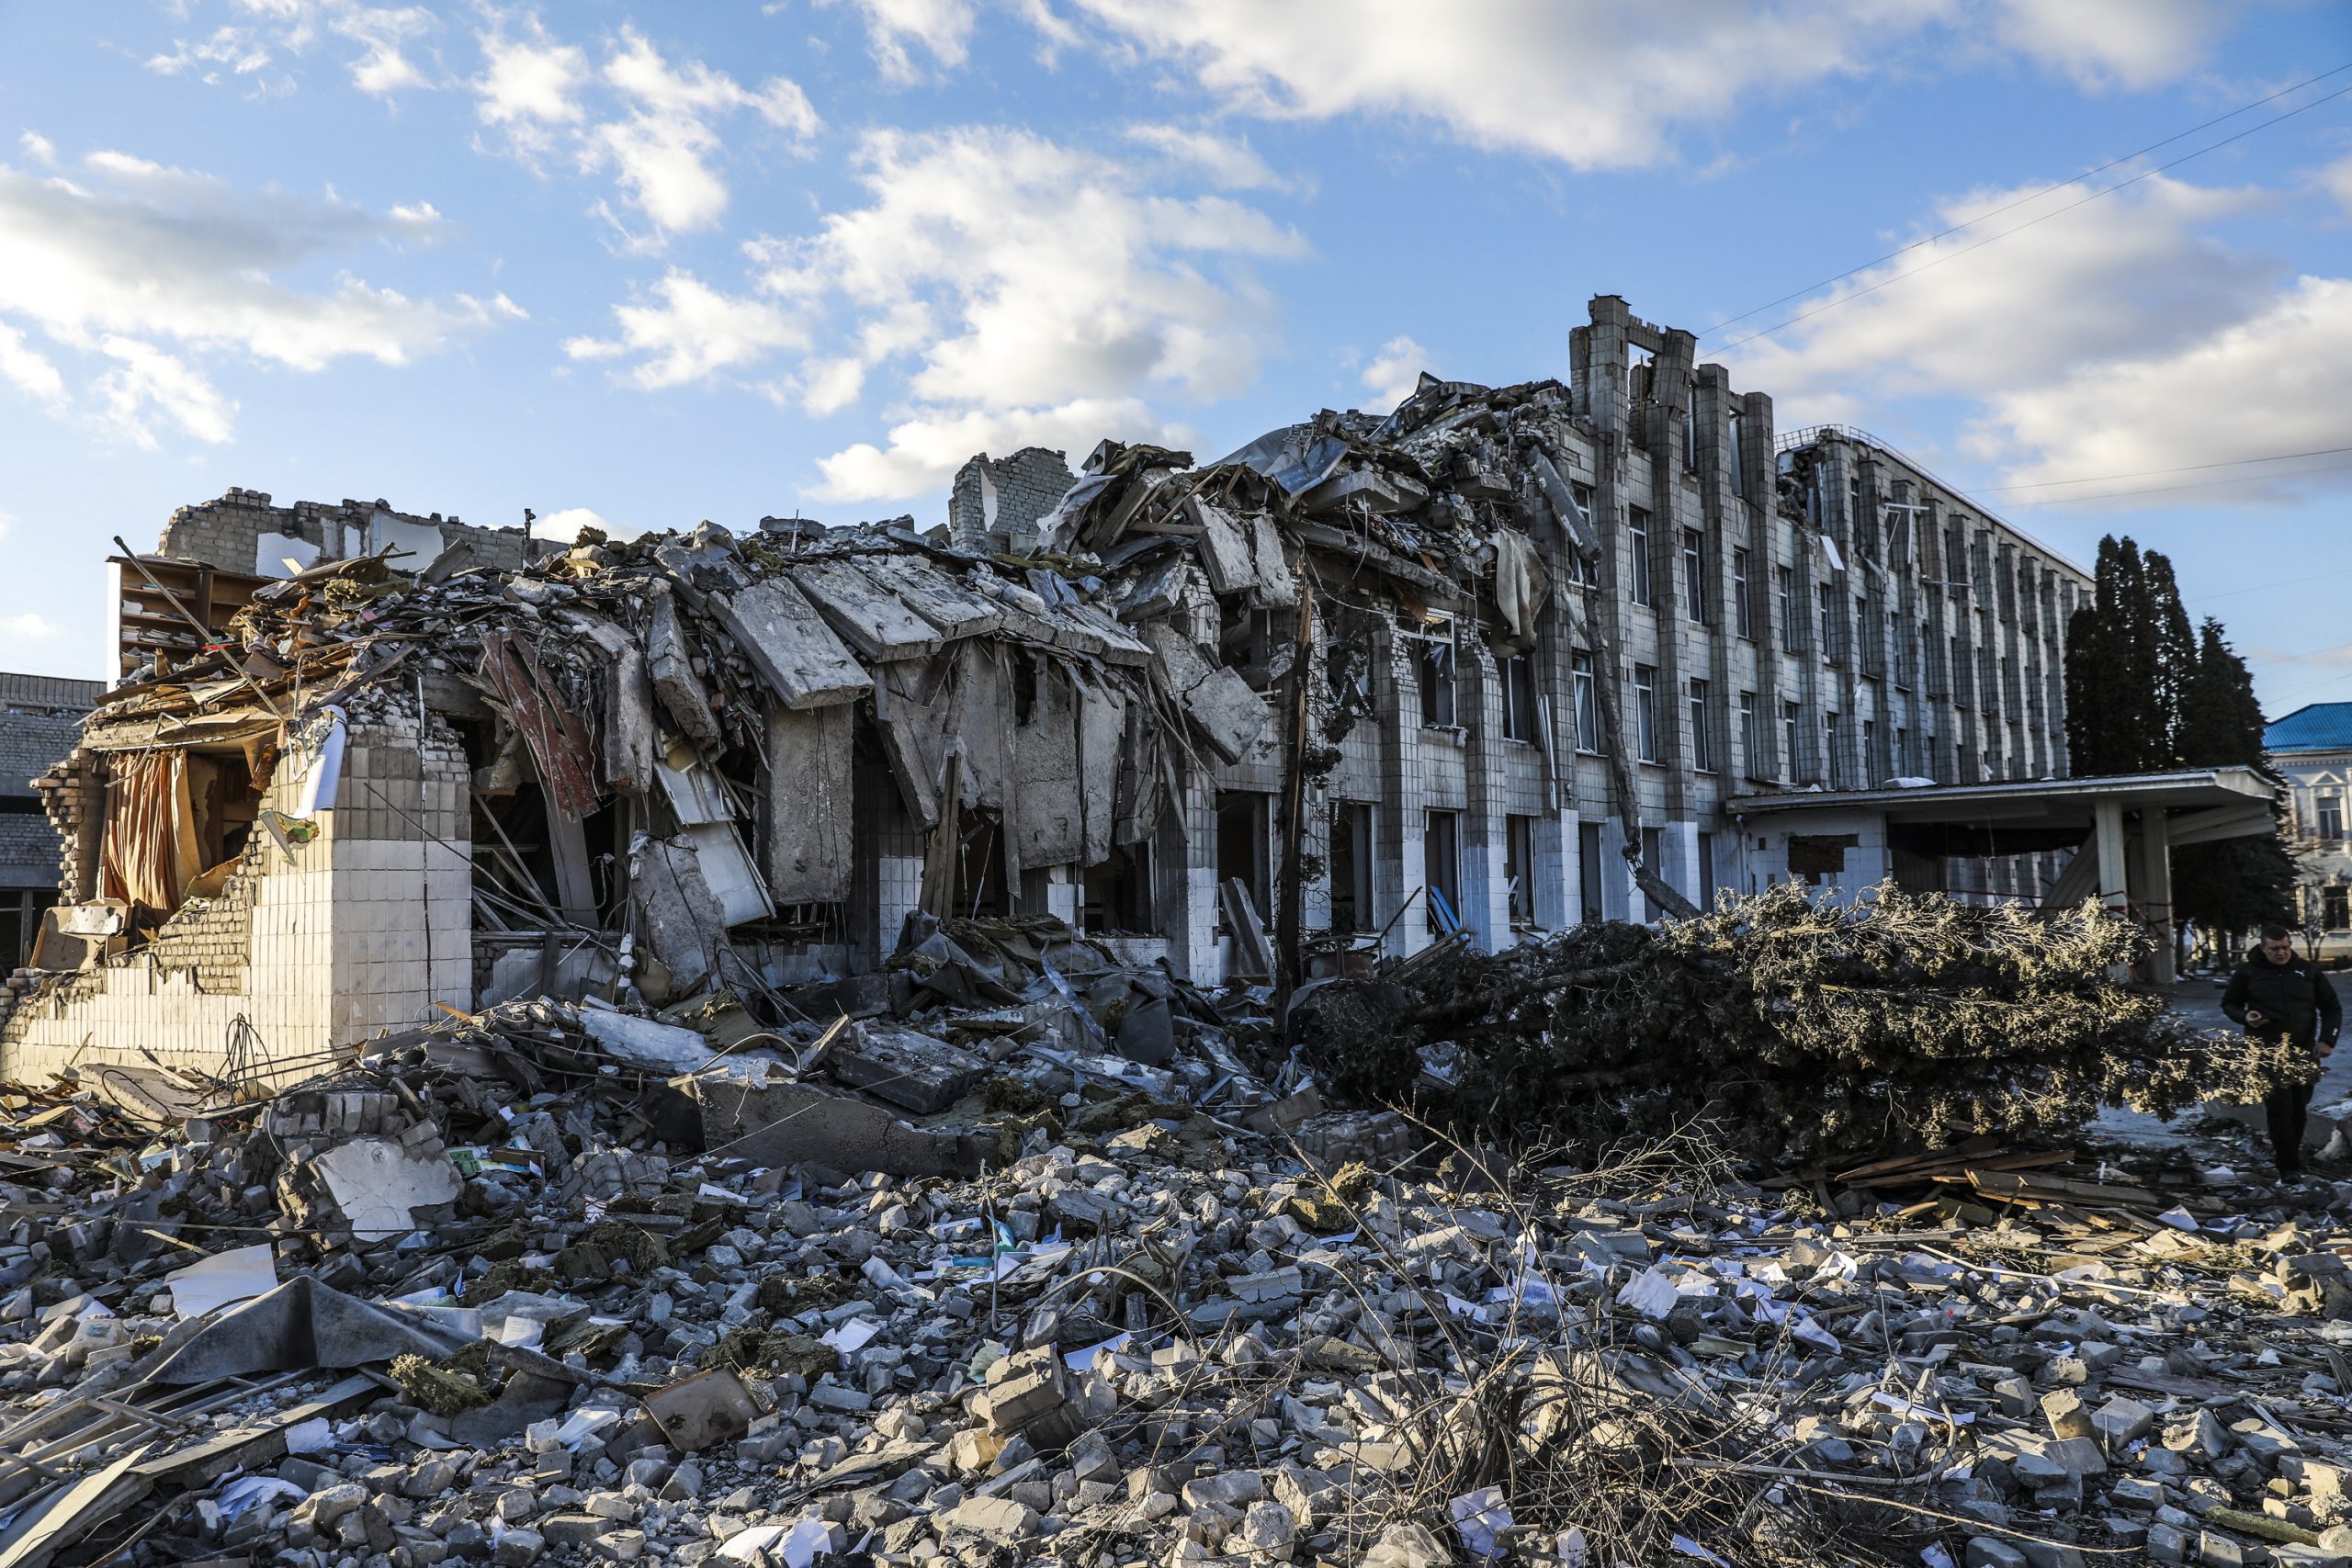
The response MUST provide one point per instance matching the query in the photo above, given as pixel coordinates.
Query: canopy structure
(2122, 826)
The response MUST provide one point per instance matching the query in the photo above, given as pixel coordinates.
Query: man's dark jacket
(2294, 998)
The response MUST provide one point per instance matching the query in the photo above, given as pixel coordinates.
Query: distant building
(41, 718)
(2311, 746)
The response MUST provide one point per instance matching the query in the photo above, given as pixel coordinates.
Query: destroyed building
(368, 764)
(41, 718)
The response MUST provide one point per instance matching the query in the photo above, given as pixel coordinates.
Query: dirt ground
(2222, 1131)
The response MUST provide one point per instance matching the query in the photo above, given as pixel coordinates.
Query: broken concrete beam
(675, 684)
(867, 614)
(937, 595)
(790, 644)
(1229, 715)
(1227, 554)
(808, 804)
(795, 1124)
(904, 1066)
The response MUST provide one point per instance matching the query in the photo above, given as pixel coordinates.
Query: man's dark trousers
(2289, 1109)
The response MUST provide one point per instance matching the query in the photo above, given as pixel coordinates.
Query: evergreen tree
(2236, 885)
(2129, 653)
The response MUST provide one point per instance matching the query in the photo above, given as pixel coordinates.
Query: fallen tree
(1805, 1027)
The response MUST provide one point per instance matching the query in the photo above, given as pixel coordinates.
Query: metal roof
(2315, 727)
(2041, 802)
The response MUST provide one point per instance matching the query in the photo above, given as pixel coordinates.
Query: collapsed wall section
(328, 928)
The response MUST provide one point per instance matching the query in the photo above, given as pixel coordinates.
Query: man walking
(2278, 996)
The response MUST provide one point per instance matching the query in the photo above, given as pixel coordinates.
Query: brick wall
(361, 929)
(229, 532)
(1005, 496)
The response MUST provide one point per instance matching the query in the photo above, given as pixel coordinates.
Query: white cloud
(694, 332)
(1601, 85)
(1007, 290)
(1229, 164)
(39, 148)
(530, 84)
(2337, 180)
(150, 273)
(2278, 381)
(2120, 338)
(2110, 43)
(942, 28)
(274, 29)
(655, 124)
(1393, 372)
(29, 627)
(27, 368)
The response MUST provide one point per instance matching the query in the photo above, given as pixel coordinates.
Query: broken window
(1583, 493)
(1738, 469)
(1645, 712)
(176, 819)
(1350, 864)
(1833, 757)
(1519, 867)
(1245, 842)
(1519, 697)
(1751, 740)
(1828, 600)
(1588, 705)
(1703, 746)
(1816, 855)
(2336, 905)
(1790, 733)
(1694, 576)
(1708, 884)
(1441, 868)
(1641, 370)
(1637, 549)
(1742, 620)
(1870, 752)
(1654, 848)
(1787, 577)
(1435, 672)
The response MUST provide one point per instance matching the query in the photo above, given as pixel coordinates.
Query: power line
(1964, 249)
(2152, 489)
(2260, 587)
(2150, 473)
(2020, 201)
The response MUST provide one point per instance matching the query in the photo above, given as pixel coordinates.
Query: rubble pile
(1802, 1028)
(531, 1287)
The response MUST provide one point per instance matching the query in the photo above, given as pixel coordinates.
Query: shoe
(2290, 1175)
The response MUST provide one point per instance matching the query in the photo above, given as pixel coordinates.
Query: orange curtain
(151, 853)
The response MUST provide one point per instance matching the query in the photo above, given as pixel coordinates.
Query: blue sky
(662, 263)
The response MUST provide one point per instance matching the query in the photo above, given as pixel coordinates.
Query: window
(1789, 733)
(1519, 867)
(1862, 636)
(1694, 576)
(1589, 869)
(1787, 576)
(1350, 865)
(1738, 469)
(1829, 621)
(1638, 528)
(1833, 764)
(1902, 763)
(1702, 749)
(2331, 821)
(1708, 885)
(1519, 698)
(1436, 672)
(1117, 895)
(1653, 849)
(1742, 622)
(1690, 433)
(1870, 752)
(1441, 868)
(1244, 842)
(1588, 705)
(1959, 669)
(1751, 742)
(2337, 903)
(1645, 712)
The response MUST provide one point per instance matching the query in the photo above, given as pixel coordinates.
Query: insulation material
(1046, 805)
(808, 802)
(151, 853)
(324, 775)
(1520, 583)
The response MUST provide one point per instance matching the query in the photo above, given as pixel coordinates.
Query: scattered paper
(314, 1436)
(237, 1275)
(1650, 1293)
(852, 1336)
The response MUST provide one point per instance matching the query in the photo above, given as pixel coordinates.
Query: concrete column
(2107, 815)
(1485, 890)
(2156, 890)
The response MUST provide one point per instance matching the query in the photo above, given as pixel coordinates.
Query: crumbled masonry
(1160, 1320)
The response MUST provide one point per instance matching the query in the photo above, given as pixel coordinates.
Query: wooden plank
(867, 614)
(790, 644)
